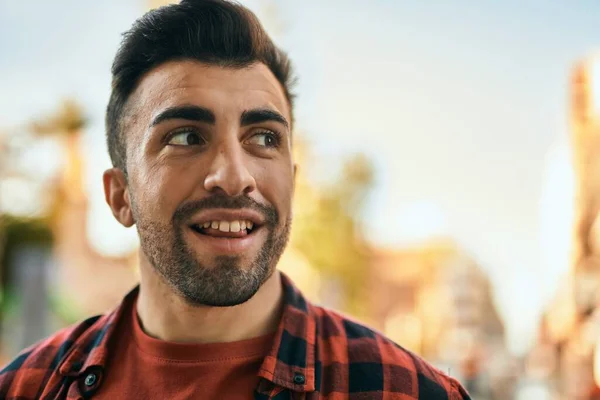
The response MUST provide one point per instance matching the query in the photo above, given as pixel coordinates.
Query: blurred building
(585, 129)
(437, 302)
(566, 355)
(52, 282)
(93, 283)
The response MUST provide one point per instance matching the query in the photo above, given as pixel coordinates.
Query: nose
(229, 172)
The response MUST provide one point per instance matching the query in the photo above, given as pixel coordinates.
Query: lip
(226, 245)
(228, 215)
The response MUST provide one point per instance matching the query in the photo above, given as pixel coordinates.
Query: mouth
(226, 229)
(226, 236)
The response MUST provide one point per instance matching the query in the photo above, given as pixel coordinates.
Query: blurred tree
(3, 160)
(328, 231)
(66, 125)
(17, 231)
(68, 120)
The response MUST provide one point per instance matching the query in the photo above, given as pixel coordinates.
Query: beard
(225, 283)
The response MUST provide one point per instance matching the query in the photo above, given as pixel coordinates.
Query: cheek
(277, 185)
(163, 189)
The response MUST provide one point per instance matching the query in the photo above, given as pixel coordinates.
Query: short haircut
(216, 32)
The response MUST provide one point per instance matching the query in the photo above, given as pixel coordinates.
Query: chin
(222, 298)
(225, 282)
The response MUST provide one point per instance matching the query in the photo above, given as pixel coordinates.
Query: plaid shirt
(317, 354)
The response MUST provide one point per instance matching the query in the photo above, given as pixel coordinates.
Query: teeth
(224, 226)
(228, 226)
(234, 226)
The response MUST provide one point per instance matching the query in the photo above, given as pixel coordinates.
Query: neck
(166, 316)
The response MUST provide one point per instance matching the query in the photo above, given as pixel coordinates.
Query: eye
(265, 139)
(186, 137)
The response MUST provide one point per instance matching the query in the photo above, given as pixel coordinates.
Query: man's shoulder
(31, 369)
(373, 358)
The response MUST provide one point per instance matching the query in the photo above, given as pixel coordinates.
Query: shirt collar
(91, 347)
(290, 363)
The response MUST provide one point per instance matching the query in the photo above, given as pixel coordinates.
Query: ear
(116, 194)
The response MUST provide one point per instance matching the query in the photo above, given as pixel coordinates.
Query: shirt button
(299, 378)
(90, 380)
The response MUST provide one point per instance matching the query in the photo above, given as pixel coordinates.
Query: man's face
(210, 177)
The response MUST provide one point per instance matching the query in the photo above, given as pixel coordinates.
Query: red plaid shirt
(317, 354)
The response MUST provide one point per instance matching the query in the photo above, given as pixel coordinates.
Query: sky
(461, 105)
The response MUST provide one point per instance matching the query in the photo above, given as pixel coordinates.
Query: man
(199, 128)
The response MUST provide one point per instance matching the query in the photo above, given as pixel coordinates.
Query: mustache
(187, 210)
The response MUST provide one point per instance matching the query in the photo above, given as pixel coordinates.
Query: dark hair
(217, 32)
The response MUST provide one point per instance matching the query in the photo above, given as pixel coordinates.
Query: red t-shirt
(142, 367)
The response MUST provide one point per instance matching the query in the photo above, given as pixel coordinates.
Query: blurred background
(449, 183)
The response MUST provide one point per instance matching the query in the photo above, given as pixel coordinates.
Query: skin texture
(186, 168)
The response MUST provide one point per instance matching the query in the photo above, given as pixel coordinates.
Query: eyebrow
(190, 113)
(257, 115)
(201, 114)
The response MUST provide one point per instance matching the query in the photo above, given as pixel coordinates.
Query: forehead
(221, 89)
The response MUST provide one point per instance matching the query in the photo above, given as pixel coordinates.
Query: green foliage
(329, 234)
(18, 232)
(10, 304)
(64, 308)
(29, 230)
